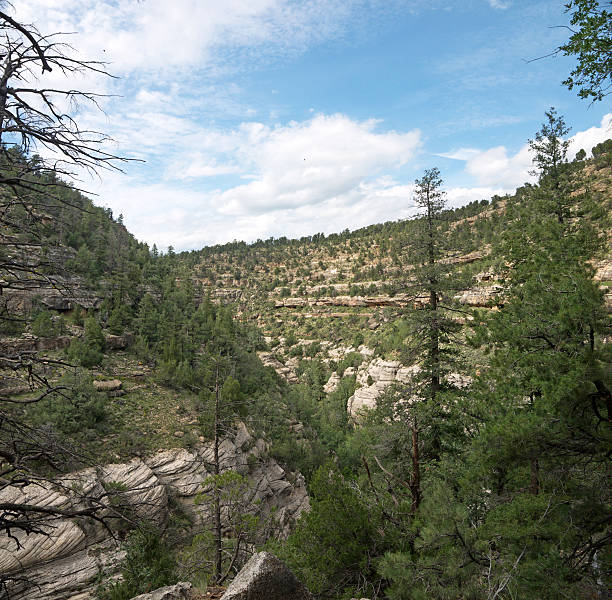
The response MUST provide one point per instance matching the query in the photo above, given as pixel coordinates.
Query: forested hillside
(375, 362)
(417, 409)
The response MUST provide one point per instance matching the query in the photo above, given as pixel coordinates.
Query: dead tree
(35, 120)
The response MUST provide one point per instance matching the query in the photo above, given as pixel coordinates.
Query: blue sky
(265, 118)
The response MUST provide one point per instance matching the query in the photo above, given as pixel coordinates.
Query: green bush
(81, 408)
(352, 359)
(89, 350)
(81, 353)
(42, 326)
(149, 564)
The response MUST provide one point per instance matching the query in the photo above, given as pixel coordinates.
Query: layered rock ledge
(65, 560)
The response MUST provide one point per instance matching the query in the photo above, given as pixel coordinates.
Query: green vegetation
(149, 564)
(440, 491)
(482, 472)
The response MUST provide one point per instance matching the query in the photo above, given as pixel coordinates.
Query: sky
(256, 118)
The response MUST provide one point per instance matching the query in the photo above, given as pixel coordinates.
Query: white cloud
(155, 36)
(591, 137)
(499, 4)
(460, 153)
(459, 196)
(496, 167)
(305, 164)
(186, 219)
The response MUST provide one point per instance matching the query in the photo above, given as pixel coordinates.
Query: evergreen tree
(524, 512)
(430, 343)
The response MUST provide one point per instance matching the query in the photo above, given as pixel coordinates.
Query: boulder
(265, 577)
(179, 591)
(107, 386)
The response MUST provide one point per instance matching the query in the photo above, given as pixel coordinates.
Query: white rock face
(340, 352)
(374, 379)
(332, 383)
(484, 296)
(64, 563)
(287, 371)
(379, 375)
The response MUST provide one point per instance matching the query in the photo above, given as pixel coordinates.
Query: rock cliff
(375, 377)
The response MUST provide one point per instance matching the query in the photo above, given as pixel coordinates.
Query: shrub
(42, 326)
(149, 564)
(84, 410)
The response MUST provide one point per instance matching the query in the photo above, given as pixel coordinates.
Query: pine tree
(431, 344)
(524, 510)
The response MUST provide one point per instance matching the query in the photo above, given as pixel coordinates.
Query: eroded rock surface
(400, 300)
(265, 577)
(483, 296)
(64, 562)
(375, 377)
(286, 371)
(179, 591)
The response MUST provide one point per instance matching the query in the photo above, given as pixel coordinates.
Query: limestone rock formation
(286, 371)
(378, 375)
(400, 300)
(32, 343)
(484, 296)
(64, 562)
(332, 383)
(603, 270)
(179, 591)
(265, 577)
(374, 379)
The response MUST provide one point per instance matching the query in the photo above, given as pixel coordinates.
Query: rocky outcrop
(374, 379)
(32, 343)
(64, 559)
(332, 383)
(58, 293)
(467, 258)
(484, 296)
(603, 270)
(179, 591)
(265, 577)
(399, 301)
(286, 371)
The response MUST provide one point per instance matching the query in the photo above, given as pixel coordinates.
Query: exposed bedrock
(65, 560)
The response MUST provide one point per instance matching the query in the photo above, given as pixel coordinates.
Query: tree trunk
(434, 331)
(415, 482)
(217, 499)
(535, 477)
